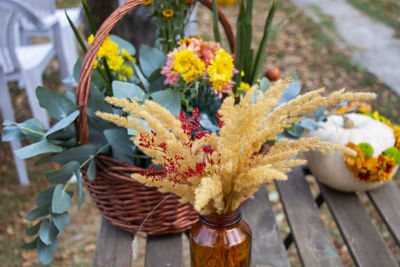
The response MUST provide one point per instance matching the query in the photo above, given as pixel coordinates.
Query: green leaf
(294, 76)
(259, 60)
(89, 18)
(319, 113)
(289, 93)
(79, 154)
(48, 232)
(169, 99)
(38, 212)
(45, 196)
(123, 44)
(156, 75)
(46, 252)
(42, 160)
(150, 59)
(276, 27)
(61, 201)
(11, 133)
(57, 105)
(60, 221)
(127, 90)
(217, 34)
(96, 103)
(141, 77)
(76, 33)
(81, 196)
(65, 137)
(264, 84)
(31, 245)
(119, 139)
(77, 69)
(35, 149)
(121, 146)
(31, 129)
(63, 174)
(91, 171)
(309, 124)
(64, 123)
(34, 229)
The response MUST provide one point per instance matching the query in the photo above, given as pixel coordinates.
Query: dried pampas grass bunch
(215, 172)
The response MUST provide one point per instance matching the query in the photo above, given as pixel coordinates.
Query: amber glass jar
(220, 240)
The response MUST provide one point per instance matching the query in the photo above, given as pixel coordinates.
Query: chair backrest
(11, 13)
(39, 7)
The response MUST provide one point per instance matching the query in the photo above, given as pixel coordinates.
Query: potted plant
(216, 171)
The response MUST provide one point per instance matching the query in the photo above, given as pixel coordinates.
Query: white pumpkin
(331, 169)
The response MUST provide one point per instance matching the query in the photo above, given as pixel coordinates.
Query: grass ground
(386, 11)
(300, 46)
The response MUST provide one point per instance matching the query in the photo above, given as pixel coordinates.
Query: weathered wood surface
(365, 244)
(387, 202)
(113, 247)
(164, 251)
(267, 245)
(310, 235)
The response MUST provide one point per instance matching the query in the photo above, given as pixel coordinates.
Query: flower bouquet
(216, 171)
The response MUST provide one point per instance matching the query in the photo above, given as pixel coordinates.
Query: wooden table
(308, 231)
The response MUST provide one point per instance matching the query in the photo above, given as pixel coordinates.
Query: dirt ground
(300, 46)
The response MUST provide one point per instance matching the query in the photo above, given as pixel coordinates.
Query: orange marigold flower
(369, 170)
(396, 131)
(363, 108)
(168, 13)
(147, 2)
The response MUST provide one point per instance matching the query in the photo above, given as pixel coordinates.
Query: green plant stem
(32, 131)
(108, 71)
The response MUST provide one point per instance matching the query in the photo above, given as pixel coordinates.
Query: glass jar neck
(221, 219)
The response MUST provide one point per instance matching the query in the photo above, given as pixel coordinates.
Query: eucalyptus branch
(31, 131)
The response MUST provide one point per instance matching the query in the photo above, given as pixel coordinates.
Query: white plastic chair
(47, 11)
(25, 63)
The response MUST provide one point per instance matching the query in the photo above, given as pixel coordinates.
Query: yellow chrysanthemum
(147, 2)
(220, 69)
(244, 87)
(127, 56)
(396, 131)
(168, 13)
(95, 64)
(188, 65)
(124, 72)
(90, 39)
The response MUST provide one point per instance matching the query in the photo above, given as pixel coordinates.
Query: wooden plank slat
(386, 200)
(164, 251)
(365, 244)
(113, 246)
(267, 245)
(310, 235)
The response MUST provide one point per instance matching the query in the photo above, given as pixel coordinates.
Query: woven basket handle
(82, 91)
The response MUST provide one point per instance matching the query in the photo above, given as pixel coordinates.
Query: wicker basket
(121, 200)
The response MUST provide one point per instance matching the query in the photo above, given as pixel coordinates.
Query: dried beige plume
(216, 172)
